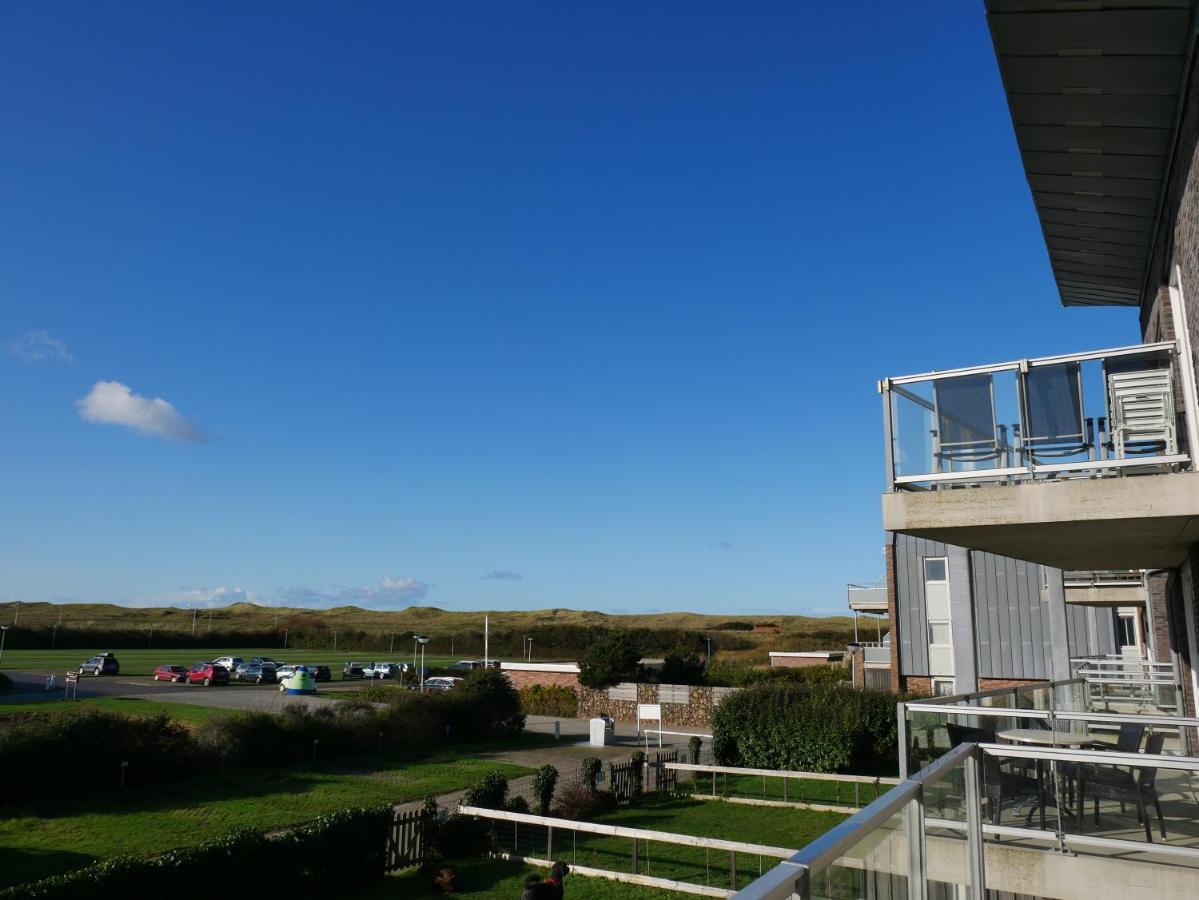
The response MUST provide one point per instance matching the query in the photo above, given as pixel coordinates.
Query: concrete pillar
(1054, 589)
(961, 617)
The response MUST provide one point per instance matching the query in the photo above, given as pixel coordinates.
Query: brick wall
(916, 684)
(527, 679)
(1159, 585)
(893, 615)
(986, 684)
(800, 662)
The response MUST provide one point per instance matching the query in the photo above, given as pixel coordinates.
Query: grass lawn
(775, 827)
(797, 790)
(52, 837)
(143, 661)
(494, 879)
(133, 706)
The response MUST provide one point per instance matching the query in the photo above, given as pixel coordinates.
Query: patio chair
(1056, 424)
(965, 414)
(1138, 786)
(1128, 741)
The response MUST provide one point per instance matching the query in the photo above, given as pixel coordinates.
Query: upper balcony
(1036, 458)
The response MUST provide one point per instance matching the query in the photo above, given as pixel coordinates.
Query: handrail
(781, 773)
(1131, 350)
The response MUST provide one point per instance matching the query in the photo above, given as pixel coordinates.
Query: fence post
(733, 869)
(917, 883)
(634, 856)
(549, 843)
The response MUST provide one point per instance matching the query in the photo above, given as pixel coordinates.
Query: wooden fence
(657, 776)
(405, 841)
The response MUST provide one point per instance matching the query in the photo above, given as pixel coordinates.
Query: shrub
(489, 792)
(578, 803)
(517, 805)
(682, 665)
(5, 683)
(489, 704)
(334, 852)
(590, 769)
(375, 692)
(461, 837)
(693, 746)
(545, 780)
(745, 676)
(549, 700)
(810, 728)
(638, 772)
(610, 660)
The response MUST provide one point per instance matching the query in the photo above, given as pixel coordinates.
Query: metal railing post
(917, 880)
(974, 828)
(884, 388)
(901, 717)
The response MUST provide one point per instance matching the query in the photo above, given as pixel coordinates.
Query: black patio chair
(1138, 786)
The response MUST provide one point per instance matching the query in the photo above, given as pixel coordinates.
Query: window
(938, 633)
(935, 569)
(937, 615)
(943, 687)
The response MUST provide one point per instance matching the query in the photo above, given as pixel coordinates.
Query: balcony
(1078, 461)
(1035, 791)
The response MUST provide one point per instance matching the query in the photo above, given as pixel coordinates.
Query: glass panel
(938, 633)
(936, 601)
(875, 868)
(934, 569)
(1056, 429)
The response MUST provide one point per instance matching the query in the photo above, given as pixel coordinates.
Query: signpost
(650, 712)
(72, 687)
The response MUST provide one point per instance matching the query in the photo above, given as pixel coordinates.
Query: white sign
(649, 711)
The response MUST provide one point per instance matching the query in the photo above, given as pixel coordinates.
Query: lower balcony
(1078, 462)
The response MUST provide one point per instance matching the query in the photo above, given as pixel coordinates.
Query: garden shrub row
(83, 749)
(745, 676)
(807, 728)
(323, 859)
(549, 700)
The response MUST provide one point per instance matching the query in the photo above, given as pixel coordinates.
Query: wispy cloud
(113, 403)
(39, 346)
(503, 575)
(201, 597)
(390, 592)
(722, 545)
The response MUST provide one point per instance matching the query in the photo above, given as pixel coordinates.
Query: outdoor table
(1043, 737)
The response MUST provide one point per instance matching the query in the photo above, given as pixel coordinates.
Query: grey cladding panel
(1011, 617)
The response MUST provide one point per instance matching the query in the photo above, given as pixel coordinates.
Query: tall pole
(486, 636)
(150, 643)
(194, 611)
(16, 612)
(451, 643)
(335, 642)
(415, 641)
(3, 635)
(392, 649)
(422, 665)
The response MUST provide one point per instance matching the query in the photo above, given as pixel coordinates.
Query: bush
(5, 683)
(549, 700)
(460, 837)
(610, 660)
(378, 692)
(638, 772)
(682, 665)
(807, 728)
(489, 705)
(517, 805)
(545, 780)
(693, 746)
(590, 769)
(745, 676)
(578, 803)
(334, 852)
(489, 792)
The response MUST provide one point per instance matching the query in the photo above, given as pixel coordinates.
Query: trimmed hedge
(550, 700)
(745, 676)
(323, 859)
(807, 728)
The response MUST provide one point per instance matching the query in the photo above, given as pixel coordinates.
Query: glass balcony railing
(1094, 414)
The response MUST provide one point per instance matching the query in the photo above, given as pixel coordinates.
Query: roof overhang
(1095, 90)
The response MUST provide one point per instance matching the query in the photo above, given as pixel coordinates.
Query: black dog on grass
(550, 888)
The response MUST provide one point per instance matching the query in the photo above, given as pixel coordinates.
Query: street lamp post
(422, 640)
(3, 635)
(709, 640)
(415, 645)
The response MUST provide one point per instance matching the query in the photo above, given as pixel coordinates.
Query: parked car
(255, 672)
(229, 662)
(170, 673)
(442, 683)
(104, 664)
(352, 670)
(207, 673)
(380, 670)
(321, 673)
(266, 661)
(467, 664)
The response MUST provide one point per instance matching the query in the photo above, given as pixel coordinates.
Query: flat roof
(1095, 91)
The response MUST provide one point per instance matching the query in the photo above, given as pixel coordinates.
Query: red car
(207, 673)
(170, 673)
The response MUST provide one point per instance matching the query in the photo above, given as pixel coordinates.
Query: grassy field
(52, 837)
(494, 879)
(132, 706)
(144, 661)
(755, 787)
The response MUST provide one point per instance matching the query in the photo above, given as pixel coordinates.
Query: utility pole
(486, 638)
(392, 648)
(335, 642)
(284, 638)
(150, 643)
(3, 635)
(16, 612)
(210, 620)
(194, 611)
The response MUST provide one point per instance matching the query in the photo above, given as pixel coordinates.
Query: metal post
(884, 388)
(974, 829)
(917, 882)
(901, 715)
(733, 869)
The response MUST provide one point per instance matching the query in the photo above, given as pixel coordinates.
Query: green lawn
(143, 661)
(47, 838)
(133, 706)
(755, 787)
(775, 827)
(495, 879)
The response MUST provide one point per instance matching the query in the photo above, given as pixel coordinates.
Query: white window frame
(944, 650)
(944, 681)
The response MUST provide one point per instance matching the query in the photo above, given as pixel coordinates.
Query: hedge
(807, 728)
(549, 700)
(82, 749)
(323, 859)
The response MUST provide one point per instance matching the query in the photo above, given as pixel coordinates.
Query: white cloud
(503, 575)
(113, 403)
(390, 592)
(199, 597)
(39, 346)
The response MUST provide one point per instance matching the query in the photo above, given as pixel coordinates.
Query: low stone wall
(696, 713)
(528, 679)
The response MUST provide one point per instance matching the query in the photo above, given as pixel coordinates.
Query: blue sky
(591, 300)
